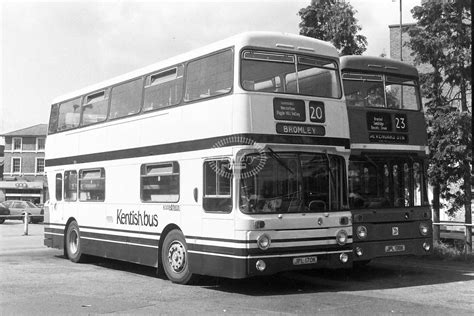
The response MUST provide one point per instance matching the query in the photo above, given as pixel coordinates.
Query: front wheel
(175, 259)
(2, 220)
(73, 243)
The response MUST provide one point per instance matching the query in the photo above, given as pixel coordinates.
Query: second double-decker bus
(227, 161)
(387, 178)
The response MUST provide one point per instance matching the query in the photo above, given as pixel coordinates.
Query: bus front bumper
(364, 251)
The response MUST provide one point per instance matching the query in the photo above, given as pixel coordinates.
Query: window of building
(217, 186)
(17, 143)
(16, 165)
(209, 76)
(92, 185)
(95, 108)
(160, 182)
(163, 89)
(39, 165)
(70, 185)
(59, 187)
(126, 99)
(40, 143)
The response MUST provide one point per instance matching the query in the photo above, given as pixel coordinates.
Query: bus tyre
(73, 243)
(174, 257)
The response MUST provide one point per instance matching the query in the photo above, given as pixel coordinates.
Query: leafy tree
(442, 38)
(333, 21)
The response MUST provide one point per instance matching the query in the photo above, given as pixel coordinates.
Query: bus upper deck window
(209, 76)
(164, 88)
(69, 114)
(95, 108)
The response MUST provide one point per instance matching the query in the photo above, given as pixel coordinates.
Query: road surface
(35, 280)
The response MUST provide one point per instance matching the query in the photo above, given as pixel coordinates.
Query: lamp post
(401, 41)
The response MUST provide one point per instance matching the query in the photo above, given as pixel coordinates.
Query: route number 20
(316, 112)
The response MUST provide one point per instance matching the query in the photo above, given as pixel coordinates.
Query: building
(405, 51)
(2, 150)
(23, 165)
(409, 59)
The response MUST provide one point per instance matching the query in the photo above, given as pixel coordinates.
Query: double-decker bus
(387, 178)
(228, 161)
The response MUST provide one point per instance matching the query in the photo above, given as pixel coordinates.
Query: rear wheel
(2, 220)
(174, 257)
(73, 243)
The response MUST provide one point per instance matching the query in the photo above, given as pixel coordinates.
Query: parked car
(19, 208)
(4, 211)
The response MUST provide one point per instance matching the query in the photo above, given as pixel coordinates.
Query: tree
(333, 21)
(442, 38)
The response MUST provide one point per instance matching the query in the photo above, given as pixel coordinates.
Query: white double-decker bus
(227, 161)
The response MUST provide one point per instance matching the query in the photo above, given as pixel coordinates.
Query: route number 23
(401, 123)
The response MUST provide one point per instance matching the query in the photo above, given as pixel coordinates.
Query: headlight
(264, 242)
(426, 246)
(361, 232)
(260, 265)
(358, 251)
(424, 229)
(343, 257)
(341, 237)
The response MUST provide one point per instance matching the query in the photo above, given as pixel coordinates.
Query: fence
(456, 234)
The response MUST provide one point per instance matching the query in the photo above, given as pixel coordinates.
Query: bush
(445, 251)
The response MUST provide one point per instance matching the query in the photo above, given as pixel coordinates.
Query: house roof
(35, 130)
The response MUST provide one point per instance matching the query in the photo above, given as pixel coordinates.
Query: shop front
(34, 191)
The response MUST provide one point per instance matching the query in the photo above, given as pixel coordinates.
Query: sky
(49, 48)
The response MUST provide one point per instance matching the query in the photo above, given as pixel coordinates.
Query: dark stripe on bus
(272, 251)
(121, 230)
(193, 145)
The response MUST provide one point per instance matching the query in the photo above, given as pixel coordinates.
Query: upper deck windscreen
(276, 72)
(380, 90)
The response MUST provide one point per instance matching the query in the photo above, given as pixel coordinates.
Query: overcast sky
(49, 48)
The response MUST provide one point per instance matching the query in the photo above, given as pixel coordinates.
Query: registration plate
(395, 248)
(304, 260)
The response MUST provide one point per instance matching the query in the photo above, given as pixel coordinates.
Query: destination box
(289, 110)
(300, 129)
(388, 138)
(378, 121)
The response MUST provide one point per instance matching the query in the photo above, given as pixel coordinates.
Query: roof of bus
(377, 65)
(272, 40)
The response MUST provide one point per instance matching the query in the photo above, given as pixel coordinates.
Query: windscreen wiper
(277, 158)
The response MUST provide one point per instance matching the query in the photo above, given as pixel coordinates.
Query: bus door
(217, 198)
(54, 212)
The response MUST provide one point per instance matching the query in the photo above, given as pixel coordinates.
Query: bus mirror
(195, 192)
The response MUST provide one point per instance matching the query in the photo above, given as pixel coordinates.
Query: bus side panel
(139, 254)
(53, 237)
(219, 266)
